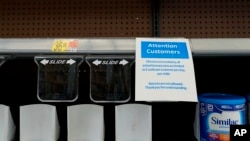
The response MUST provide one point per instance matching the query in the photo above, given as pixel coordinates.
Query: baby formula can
(217, 112)
(248, 108)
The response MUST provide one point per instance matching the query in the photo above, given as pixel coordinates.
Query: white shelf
(86, 45)
(220, 46)
(200, 46)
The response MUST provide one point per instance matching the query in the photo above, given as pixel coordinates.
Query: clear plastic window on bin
(58, 78)
(3, 59)
(110, 77)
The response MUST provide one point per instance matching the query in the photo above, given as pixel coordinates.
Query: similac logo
(222, 122)
(228, 121)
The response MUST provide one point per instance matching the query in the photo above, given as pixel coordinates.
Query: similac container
(217, 112)
(248, 108)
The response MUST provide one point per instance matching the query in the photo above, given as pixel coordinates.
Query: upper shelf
(199, 46)
(220, 46)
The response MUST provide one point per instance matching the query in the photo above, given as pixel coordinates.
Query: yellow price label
(60, 46)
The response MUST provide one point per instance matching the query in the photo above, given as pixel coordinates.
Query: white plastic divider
(39, 122)
(85, 122)
(7, 126)
(133, 122)
(220, 46)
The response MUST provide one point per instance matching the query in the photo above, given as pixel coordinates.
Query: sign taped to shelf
(65, 45)
(168, 65)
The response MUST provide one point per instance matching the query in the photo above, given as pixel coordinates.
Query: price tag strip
(65, 45)
(58, 77)
(110, 77)
(164, 70)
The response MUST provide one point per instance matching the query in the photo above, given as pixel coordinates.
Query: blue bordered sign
(164, 70)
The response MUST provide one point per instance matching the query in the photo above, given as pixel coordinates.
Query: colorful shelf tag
(65, 45)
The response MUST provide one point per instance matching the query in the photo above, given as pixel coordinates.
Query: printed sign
(164, 70)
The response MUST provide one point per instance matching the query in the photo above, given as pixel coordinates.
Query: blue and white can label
(215, 120)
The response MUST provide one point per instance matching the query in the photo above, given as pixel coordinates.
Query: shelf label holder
(110, 77)
(58, 77)
(3, 59)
